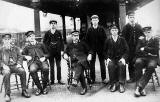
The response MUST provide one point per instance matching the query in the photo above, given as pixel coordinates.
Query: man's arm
(19, 56)
(126, 49)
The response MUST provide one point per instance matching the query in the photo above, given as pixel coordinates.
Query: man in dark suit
(78, 52)
(131, 32)
(95, 38)
(116, 53)
(11, 62)
(54, 42)
(147, 54)
(36, 54)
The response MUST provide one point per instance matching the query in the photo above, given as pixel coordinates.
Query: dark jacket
(78, 52)
(38, 50)
(151, 46)
(53, 42)
(95, 39)
(116, 50)
(131, 35)
(13, 53)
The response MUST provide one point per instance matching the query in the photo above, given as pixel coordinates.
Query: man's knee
(33, 68)
(121, 65)
(138, 61)
(45, 66)
(110, 64)
(6, 72)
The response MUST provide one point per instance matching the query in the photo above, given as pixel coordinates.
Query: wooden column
(64, 28)
(88, 22)
(74, 23)
(37, 22)
(122, 14)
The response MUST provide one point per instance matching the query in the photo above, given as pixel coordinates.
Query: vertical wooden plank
(37, 22)
(64, 28)
(122, 14)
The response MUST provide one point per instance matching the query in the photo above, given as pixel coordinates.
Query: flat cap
(131, 13)
(94, 16)
(51, 21)
(75, 32)
(29, 33)
(147, 28)
(6, 35)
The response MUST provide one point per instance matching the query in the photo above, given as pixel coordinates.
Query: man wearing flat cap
(78, 51)
(54, 43)
(131, 32)
(147, 54)
(95, 39)
(36, 55)
(116, 53)
(11, 62)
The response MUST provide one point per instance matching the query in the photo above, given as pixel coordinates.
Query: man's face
(114, 32)
(7, 42)
(95, 21)
(75, 37)
(131, 18)
(31, 38)
(53, 25)
(148, 33)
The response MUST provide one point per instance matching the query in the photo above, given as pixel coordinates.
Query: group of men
(134, 46)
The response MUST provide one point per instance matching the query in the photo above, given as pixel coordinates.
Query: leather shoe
(75, 83)
(38, 92)
(45, 91)
(52, 82)
(130, 81)
(143, 92)
(121, 88)
(60, 82)
(7, 98)
(113, 88)
(137, 92)
(26, 94)
(105, 81)
(84, 91)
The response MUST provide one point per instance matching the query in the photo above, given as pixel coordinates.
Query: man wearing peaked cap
(132, 31)
(116, 54)
(95, 38)
(36, 55)
(78, 52)
(53, 41)
(147, 54)
(11, 62)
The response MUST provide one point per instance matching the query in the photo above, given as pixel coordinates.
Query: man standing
(147, 54)
(116, 53)
(131, 32)
(11, 62)
(36, 54)
(95, 39)
(54, 43)
(78, 52)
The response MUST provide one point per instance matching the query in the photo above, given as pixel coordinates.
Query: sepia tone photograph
(79, 51)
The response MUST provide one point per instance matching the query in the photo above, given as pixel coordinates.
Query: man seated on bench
(11, 62)
(146, 57)
(78, 51)
(36, 54)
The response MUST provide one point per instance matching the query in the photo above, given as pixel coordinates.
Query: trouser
(78, 70)
(7, 73)
(150, 64)
(131, 67)
(117, 72)
(36, 66)
(55, 57)
(102, 66)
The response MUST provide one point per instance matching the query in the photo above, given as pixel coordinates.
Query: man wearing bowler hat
(95, 39)
(131, 32)
(147, 54)
(78, 52)
(11, 62)
(116, 53)
(54, 43)
(36, 55)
